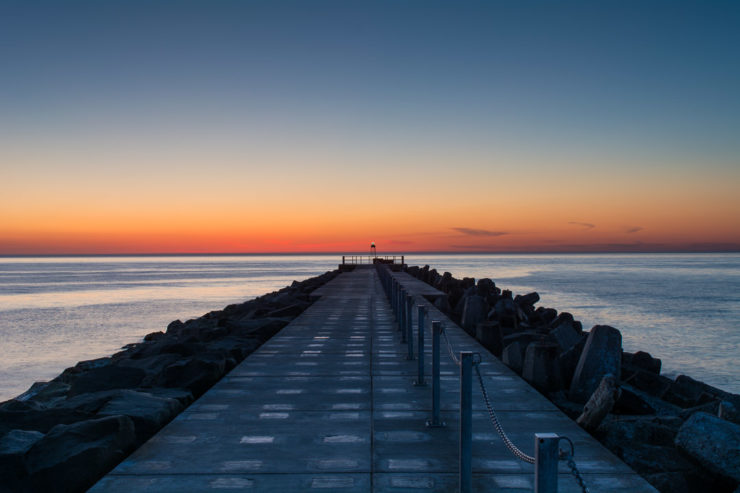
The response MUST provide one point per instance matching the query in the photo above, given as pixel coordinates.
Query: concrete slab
(329, 404)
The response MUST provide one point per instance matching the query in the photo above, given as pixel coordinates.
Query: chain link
(450, 349)
(576, 474)
(568, 458)
(499, 429)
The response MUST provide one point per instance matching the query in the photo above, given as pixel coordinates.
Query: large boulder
(506, 312)
(541, 367)
(489, 334)
(642, 361)
(46, 393)
(729, 412)
(41, 420)
(107, 378)
(527, 299)
(148, 412)
(713, 442)
(195, 374)
(486, 287)
(566, 335)
(602, 354)
(71, 458)
(13, 448)
(569, 359)
(512, 357)
(474, 311)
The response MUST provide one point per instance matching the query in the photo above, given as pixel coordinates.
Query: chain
(450, 349)
(568, 458)
(499, 429)
(576, 474)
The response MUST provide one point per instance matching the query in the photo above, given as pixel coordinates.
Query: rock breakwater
(682, 435)
(63, 435)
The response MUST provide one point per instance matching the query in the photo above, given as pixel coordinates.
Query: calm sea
(55, 311)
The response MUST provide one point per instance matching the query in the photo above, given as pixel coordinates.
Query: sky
(316, 126)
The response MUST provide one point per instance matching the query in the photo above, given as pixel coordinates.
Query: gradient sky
(270, 126)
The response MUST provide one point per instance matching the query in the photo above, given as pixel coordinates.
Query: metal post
(546, 462)
(435, 422)
(466, 421)
(410, 327)
(402, 317)
(342, 259)
(422, 313)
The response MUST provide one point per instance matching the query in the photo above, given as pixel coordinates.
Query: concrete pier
(329, 404)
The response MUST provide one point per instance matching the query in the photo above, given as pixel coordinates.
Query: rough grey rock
(617, 432)
(154, 336)
(195, 374)
(713, 442)
(486, 287)
(655, 385)
(13, 447)
(18, 441)
(527, 299)
(71, 458)
(673, 482)
(601, 355)
(729, 412)
(289, 311)
(566, 335)
(182, 396)
(45, 393)
(643, 361)
(489, 334)
(148, 412)
(646, 458)
(474, 311)
(541, 367)
(107, 378)
(569, 359)
(512, 357)
(632, 404)
(40, 420)
(506, 312)
(547, 314)
(442, 303)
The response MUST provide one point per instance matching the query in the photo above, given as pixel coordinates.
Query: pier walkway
(329, 404)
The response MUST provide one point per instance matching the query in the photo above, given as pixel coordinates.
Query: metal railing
(546, 445)
(372, 259)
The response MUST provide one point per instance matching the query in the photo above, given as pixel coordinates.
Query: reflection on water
(54, 312)
(57, 311)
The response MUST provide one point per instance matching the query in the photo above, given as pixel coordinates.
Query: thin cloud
(479, 232)
(634, 229)
(585, 226)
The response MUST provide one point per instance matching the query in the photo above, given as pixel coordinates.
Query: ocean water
(55, 311)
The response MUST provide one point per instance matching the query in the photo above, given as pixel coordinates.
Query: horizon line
(344, 253)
